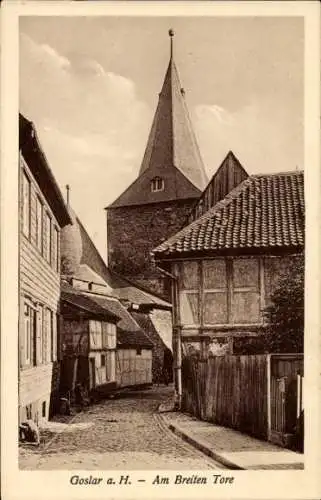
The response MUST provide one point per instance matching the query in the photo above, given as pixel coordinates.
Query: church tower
(170, 181)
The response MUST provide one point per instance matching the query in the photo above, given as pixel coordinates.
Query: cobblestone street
(117, 434)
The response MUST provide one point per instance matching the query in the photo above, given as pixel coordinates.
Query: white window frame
(27, 335)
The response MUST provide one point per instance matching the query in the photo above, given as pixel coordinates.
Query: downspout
(177, 340)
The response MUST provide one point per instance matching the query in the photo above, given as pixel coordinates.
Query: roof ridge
(285, 172)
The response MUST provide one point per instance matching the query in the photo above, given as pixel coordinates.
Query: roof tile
(263, 211)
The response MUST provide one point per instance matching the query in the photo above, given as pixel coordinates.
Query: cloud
(219, 113)
(57, 59)
(92, 126)
(261, 139)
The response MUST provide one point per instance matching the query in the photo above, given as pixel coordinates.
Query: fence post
(268, 376)
(299, 396)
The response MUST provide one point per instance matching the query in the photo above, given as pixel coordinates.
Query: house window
(56, 250)
(40, 335)
(27, 337)
(44, 409)
(157, 184)
(48, 336)
(26, 197)
(29, 412)
(138, 351)
(39, 225)
(200, 208)
(48, 238)
(102, 360)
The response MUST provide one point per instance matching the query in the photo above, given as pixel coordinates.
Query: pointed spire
(171, 140)
(171, 152)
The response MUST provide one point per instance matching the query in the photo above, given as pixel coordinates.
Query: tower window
(157, 184)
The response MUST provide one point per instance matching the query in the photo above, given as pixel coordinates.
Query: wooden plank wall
(284, 371)
(229, 391)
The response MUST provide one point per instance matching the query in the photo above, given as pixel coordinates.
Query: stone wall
(133, 232)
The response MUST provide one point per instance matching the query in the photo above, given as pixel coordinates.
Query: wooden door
(285, 393)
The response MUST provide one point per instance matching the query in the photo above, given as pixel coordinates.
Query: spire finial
(171, 34)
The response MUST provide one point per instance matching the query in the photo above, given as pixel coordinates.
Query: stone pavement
(124, 433)
(232, 448)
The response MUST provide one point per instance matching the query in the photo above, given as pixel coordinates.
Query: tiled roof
(36, 160)
(129, 332)
(85, 303)
(127, 290)
(264, 211)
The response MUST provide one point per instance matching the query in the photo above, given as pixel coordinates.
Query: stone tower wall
(133, 232)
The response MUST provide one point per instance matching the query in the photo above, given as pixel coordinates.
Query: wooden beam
(268, 376)
(262, 284)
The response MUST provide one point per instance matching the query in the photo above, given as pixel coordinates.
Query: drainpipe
(177, 340)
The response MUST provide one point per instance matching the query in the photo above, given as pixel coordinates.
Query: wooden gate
(285, 396)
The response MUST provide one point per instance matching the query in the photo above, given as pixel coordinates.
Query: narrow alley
(125, 433)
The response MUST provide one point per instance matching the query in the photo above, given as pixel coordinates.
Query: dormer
(157, 184)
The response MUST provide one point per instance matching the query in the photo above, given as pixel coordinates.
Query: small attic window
(157, 184)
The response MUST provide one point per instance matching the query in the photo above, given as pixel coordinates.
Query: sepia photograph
(161, 261)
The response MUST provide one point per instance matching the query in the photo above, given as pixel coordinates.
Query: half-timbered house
(83, 266)
(226, 263)
(88, 332)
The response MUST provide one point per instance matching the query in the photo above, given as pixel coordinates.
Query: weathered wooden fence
(228, 390)
(240, 392)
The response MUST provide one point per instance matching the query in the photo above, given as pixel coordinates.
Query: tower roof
(172, 153)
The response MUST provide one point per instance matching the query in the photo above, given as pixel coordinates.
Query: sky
(90, 85)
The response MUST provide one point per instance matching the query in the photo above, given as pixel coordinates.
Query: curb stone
(204, 449)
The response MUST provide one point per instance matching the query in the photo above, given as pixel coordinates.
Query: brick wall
(132, 233)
